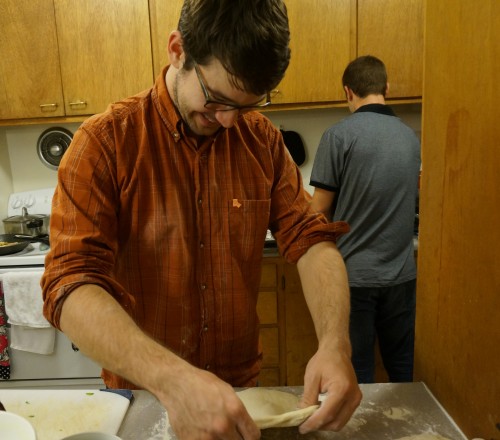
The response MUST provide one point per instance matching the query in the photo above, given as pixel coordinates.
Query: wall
(5, 176)
(457, 347)
(22, 170)
(20, 166)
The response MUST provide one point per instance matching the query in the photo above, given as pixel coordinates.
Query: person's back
(376, 194)
(366, 173)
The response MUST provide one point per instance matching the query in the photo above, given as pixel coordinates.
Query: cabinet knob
(78, 104)
(48, 107)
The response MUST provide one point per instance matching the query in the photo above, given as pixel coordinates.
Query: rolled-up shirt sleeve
(83, 225)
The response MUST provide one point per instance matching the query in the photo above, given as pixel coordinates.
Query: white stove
(65, 367)
(37, 202)
(32, 255)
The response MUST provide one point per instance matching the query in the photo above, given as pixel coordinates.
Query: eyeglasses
(213, 104)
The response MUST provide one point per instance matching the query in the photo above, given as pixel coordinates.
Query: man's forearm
(98, 325)
(326, 290)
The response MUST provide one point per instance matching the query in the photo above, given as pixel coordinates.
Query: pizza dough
(274, 409)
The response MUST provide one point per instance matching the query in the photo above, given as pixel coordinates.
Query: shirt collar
(165, 106)
(376, 108)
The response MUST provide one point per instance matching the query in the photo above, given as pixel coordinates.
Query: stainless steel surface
(387, 412)
(27, 223)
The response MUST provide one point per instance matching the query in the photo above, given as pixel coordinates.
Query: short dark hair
(366, 75)
(250, 38)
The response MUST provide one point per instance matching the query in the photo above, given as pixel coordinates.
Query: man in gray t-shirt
(366, 173)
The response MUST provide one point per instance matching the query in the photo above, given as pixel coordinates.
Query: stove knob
(16, 203)
(30, 202)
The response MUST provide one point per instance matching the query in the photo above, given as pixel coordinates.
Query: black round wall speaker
(51, 146)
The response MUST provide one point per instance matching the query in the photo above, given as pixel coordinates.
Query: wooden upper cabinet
(105, 52)
(30, 80)
(318, 57)
(70, 58)
(164, 16)
(322, 42)
(393, 31)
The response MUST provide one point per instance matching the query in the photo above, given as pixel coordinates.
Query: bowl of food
(15, 427)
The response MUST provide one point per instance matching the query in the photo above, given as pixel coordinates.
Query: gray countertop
(387, 412)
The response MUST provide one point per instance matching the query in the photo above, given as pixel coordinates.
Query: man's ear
(175, 49)
(348, 93)
(386, 89)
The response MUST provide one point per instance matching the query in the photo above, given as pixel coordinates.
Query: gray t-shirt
(371, 160)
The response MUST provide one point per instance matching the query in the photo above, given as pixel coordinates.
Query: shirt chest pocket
(248, 223)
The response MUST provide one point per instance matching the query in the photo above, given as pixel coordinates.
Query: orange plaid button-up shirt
(174, 229)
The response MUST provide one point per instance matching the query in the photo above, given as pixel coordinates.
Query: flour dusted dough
(274, 409)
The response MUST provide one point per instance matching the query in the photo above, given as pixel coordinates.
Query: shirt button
(202, 245)
(203, 286)
(205, 328)
(207, 367)
(176, 135)
(200, 201)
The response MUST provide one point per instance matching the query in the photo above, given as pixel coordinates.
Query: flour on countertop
(397, 413)
(358, 420)
(167, 429)
(157, 432)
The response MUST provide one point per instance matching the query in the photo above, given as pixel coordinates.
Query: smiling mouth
(209, 118)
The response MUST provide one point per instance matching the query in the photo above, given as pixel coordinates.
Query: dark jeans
(386, 313)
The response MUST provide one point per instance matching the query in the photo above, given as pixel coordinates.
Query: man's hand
(205, 407)
(330, 371)
(326, 290)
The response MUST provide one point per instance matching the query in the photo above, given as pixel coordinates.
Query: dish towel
(4, 342)
(30, 331)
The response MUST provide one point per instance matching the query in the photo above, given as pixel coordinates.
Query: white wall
(5, 176)
(20, 166)
(28, 171)
(22, 170)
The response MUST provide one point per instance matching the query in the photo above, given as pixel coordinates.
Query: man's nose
(227, 118)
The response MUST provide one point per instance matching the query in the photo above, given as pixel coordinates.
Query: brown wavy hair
(250, 38)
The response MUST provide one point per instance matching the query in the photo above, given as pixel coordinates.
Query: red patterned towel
(4, 342)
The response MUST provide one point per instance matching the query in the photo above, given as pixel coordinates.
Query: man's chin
(201, 126)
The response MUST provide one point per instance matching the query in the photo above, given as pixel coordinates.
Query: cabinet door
(393, 31)
(164, 18)
(30, 81)
(321, 48)
(105, 52)
(267, 309)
